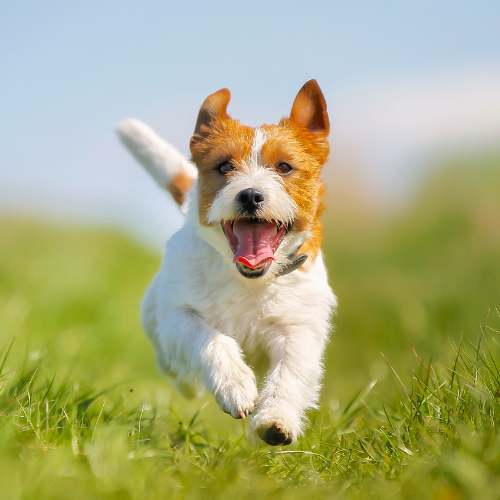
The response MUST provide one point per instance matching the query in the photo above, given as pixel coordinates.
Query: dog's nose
(250, 199)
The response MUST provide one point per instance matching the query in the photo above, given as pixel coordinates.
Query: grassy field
(84, 413)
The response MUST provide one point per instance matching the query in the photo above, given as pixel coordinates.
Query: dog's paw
(276, 430)
(276, 434)
(237, 392)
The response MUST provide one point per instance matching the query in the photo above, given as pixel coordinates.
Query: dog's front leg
(292, 385)
(193, 348)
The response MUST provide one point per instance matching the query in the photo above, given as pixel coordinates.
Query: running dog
(244, 277)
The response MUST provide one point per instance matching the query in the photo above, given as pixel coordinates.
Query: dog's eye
(283, 169)
(225, 167)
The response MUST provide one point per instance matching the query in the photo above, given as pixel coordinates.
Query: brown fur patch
(179, 185)
(228, 140)
(312, 245)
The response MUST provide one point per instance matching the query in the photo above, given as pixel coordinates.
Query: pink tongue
(254, 242)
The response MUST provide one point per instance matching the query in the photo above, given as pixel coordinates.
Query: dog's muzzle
(254, 242)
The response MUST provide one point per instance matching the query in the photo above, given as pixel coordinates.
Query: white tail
(169, 168)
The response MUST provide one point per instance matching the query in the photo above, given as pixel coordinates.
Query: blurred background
(413, 225)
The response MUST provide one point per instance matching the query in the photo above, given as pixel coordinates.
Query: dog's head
(261, 187)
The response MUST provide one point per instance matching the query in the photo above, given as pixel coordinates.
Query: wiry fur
(280, 205)
(207, 323)
(168, 167)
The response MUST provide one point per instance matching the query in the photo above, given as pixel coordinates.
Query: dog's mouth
(254, 242)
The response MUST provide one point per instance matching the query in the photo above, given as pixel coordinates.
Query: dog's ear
(309, 109)
(214, 107)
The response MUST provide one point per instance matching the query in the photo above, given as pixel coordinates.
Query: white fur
(157, 156)
(259, 139)
(207, 323)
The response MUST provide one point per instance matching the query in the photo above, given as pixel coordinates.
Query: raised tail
(169, 168)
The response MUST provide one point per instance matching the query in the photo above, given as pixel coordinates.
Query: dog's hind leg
(187, 387)
(169, 168)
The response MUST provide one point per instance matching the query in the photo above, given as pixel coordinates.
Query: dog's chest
(200, 279)
(246, 313)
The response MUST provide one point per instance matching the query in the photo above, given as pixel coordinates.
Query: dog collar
(295, 262)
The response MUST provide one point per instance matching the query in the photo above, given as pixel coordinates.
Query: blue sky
(71, 70)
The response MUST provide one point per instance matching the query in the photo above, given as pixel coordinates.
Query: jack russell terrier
(243, 279)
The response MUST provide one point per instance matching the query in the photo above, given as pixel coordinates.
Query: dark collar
(295, 262)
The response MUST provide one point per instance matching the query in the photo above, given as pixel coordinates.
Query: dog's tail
(169, 168)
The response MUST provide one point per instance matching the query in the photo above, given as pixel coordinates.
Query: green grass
(84, 413)
(63, 439)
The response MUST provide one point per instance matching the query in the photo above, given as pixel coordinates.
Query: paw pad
(275, 435)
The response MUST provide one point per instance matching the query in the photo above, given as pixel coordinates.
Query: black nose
(250, 199)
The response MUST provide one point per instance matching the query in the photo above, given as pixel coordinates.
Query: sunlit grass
(440, 433)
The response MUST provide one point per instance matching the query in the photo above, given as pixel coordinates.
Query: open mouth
(254, 242)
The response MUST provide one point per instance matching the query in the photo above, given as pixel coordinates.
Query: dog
(243, 279)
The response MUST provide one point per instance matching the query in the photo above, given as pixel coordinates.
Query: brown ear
(309, 109)
(215, 106)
